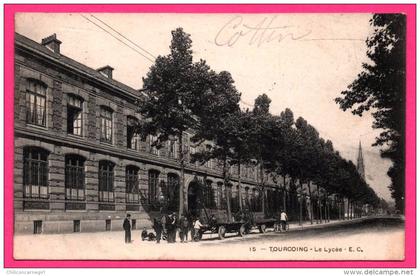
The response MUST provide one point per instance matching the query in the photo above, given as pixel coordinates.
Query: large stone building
(78, 164)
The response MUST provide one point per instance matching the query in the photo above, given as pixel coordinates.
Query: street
(375, 238)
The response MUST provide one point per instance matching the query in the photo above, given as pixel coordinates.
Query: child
(144, 234)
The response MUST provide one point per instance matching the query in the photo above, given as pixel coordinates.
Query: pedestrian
(174, 227)
(283, 220)
(144, 234)
(127, 228)
(170, 228)
(197, 227)
(157, 226)
(163, 221)
(184, 225)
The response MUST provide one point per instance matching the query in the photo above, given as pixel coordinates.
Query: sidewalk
(111, 246)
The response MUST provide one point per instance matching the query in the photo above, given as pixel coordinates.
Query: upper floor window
(35, 172)
(106, 181)
(106, 125)
(36, 103)
(173, 148)
(132, 136)
(153, 147)
(75, 177)
(74, 115)
(132, 184)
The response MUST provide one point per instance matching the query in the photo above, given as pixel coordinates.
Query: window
(74, 115)
(106, 181)
(153, 185)
(153, 141)
(107, 225)
(132, 136)
(106, 125)
(75, 177)
(36, 103)
(35, 172)
(173, 148)
(37, 226)
(208, 195)
(192, 151)
(132, 184)
(76, 226)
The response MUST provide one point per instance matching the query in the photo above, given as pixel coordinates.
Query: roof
(71, 63)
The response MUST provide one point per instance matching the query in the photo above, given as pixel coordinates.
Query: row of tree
(183, 95)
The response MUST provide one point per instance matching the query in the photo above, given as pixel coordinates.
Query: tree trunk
(311, 209)
(319, 205)
(300, 203)
(262, 188)
(284, 194)
(325, 211)
(226, 180)
(239, 186)
(182, 184)
(348, 208)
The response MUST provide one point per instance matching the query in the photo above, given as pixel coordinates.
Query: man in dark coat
(127, 228)
(157, 226)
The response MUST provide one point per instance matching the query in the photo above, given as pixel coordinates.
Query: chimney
(52, 43)
(106, 71)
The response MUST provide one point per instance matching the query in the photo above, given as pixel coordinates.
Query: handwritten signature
(262, 32)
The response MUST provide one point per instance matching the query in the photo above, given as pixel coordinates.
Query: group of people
(166, 228)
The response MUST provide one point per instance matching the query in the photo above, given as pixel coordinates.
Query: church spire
(360, 162)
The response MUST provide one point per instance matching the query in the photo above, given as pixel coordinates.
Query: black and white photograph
(154, 136)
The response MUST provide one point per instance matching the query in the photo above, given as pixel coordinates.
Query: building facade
(80, 166)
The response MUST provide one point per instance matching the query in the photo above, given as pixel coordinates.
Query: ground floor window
(75, 177)
(35, 172)
(106, 181)
(108, 225)
(37, 226)
(76, 226)
(132, 184)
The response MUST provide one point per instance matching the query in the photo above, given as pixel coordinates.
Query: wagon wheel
(242, 230)
(262, 228)
(221, 231)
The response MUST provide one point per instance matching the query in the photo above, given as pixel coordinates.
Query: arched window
(74, 115)
(75, 177)
(132, 184)
(106, 124)
(36, 93)
(106, 181)
(153, 185)
(35, 172)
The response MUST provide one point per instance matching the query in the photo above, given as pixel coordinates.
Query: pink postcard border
(410, 238)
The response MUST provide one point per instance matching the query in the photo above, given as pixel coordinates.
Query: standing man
(157, 226)
(127, 228)
(283, 220)
(184, 225)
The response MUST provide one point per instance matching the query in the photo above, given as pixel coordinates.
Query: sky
(301, 61)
